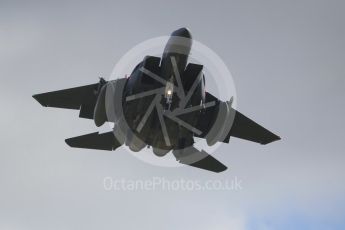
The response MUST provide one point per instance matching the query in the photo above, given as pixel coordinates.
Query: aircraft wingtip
(38, 99)
(68, 142)
(273, 139)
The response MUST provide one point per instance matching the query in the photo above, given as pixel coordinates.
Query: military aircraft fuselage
(168, 74)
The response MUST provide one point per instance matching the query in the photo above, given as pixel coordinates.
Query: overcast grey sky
(287, 59)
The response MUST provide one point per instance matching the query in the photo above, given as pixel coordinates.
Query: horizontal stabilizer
(199, 159)
(101, 141)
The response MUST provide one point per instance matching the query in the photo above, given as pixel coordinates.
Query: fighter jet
(162, 105)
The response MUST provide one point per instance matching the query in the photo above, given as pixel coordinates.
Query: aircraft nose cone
(182, 32)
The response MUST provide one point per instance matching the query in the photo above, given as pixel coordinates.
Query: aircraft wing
(240, 125)
(247, 129)
(81, 98)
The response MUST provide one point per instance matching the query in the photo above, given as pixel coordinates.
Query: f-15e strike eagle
(162, 104)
